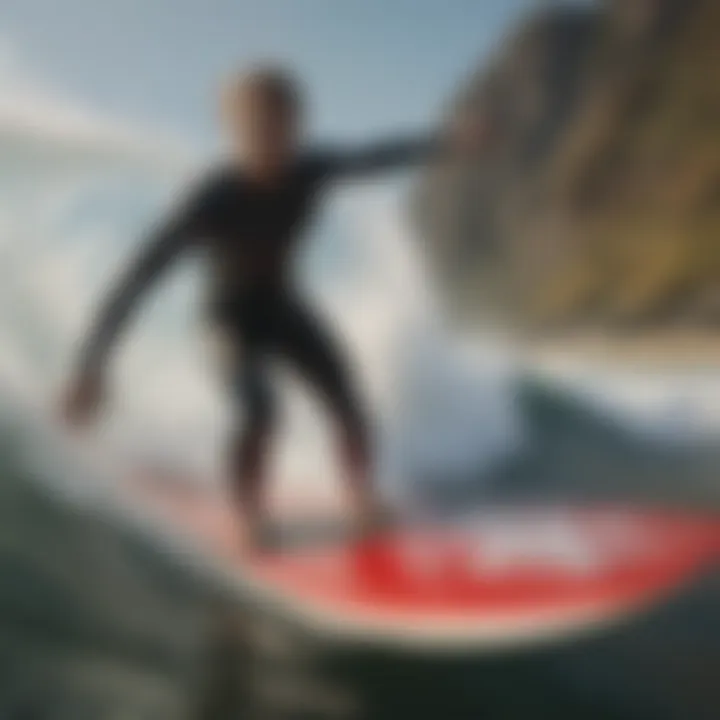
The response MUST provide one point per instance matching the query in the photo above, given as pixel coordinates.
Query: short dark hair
(277, 85)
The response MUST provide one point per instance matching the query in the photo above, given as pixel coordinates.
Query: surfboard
(500, 577)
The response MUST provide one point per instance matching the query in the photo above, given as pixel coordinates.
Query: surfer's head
(262, 112)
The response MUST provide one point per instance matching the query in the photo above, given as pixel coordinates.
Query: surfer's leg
(317, 356)
(251, 437)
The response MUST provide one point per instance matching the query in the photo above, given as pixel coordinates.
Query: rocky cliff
(597, 201)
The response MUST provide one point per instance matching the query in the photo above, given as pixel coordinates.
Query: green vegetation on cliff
(598, 203)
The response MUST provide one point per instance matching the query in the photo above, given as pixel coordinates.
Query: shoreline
(672, 350)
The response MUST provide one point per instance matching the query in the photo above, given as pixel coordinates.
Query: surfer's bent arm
(163, 247)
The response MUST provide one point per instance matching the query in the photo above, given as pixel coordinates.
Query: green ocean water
(98, 621)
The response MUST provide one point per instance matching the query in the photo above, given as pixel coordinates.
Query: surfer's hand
(83, 399)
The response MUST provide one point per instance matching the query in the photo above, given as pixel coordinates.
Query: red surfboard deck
(502, 577)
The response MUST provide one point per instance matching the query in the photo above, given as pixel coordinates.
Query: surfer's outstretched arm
(184, 226)
(379, 157)
(465, 136)
(161, 249)
(85, 393)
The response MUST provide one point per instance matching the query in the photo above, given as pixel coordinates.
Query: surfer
(247, 216)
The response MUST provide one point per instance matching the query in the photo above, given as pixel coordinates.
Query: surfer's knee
(349, 412)
(251, 439)
(258, 404)
(260, 417)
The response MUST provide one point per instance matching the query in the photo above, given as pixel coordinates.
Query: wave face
(89, 611)
(106, 619)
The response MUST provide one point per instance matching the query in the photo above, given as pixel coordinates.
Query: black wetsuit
(248, 232)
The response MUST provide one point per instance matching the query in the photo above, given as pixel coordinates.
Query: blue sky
(371, 65)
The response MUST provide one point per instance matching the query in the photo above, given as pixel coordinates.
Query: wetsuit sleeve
(168, 241)
(379, 157)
